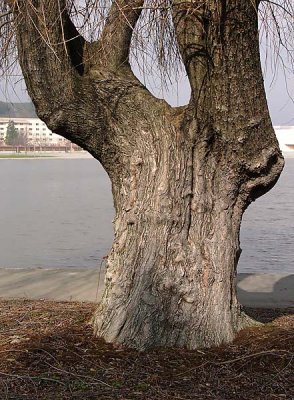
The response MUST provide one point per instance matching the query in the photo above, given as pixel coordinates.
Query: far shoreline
(54, 155)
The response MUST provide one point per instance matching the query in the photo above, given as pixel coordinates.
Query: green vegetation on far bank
(21, 110)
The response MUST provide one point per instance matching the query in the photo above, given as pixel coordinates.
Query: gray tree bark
(181, 177)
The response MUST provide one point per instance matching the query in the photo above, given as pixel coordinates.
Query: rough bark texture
(181, 177)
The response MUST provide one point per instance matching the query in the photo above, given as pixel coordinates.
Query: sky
(279, 86)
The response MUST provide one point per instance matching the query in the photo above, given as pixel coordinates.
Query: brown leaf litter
(48, 352)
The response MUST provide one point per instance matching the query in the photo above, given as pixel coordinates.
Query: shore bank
(52, 155)
(254, 290)
(47, 155)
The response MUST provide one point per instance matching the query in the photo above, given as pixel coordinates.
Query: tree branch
(50, 53)
(190, 25)
(287, 11)
(74, 42)
(55, 48)
(56, 71)
(114, 45)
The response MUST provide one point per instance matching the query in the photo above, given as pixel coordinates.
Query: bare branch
(56, 48)
(114, 43)
(74, 42)
(277, 26)
(120, 35)
(50, 22)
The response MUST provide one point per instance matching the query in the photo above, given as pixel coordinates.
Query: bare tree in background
(181, 177)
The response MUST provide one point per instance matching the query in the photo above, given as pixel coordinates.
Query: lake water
(57, 213)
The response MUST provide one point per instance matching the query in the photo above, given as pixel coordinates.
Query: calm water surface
(57, 213)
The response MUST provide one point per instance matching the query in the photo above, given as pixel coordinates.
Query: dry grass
(48, 352)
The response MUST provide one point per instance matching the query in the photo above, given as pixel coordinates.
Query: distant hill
(17, 110)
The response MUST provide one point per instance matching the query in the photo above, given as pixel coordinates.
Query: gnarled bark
(181, 177)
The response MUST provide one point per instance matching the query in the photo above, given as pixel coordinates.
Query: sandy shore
(60, 155)
(254, 290)
(48, 155)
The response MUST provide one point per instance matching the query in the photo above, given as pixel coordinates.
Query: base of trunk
(148, 320)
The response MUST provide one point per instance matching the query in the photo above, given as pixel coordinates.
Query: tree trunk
(181, 177)
(171, 273)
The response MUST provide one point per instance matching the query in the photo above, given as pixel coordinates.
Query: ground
(48, 352)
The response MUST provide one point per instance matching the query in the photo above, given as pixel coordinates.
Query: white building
(35, 130)
(38, 134)
(285, 136)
